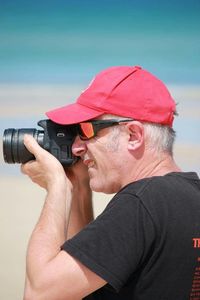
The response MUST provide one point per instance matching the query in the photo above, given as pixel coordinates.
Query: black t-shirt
(146, 243)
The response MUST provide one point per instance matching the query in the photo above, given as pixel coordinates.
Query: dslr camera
(56, 139)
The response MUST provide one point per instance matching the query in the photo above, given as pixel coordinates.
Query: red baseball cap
(123, 91)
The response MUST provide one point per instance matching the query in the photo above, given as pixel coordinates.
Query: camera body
(56, 139)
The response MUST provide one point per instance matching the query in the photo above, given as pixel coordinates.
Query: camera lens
(14, 150)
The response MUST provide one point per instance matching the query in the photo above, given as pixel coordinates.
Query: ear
(136, 135)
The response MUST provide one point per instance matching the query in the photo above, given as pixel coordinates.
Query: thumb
(32, 146)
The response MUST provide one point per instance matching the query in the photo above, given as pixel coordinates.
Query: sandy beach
(21, 201)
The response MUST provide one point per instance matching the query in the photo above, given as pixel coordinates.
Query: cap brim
(72, 114)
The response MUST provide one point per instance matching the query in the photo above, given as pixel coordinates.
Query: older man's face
(105, 157)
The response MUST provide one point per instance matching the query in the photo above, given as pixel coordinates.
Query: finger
(26, 166)
(32, 145)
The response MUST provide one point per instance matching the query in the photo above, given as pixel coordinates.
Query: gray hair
(160, 138)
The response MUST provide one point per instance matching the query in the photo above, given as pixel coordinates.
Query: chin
(103, 188)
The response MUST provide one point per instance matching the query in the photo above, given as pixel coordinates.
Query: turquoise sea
(68, 41)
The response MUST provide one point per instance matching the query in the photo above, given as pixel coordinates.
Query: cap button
(138, 67)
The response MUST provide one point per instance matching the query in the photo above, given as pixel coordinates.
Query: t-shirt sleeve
(116, 242)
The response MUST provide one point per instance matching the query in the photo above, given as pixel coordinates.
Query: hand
(45, 170)
(78, 174)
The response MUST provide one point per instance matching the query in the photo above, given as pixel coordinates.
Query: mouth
(89, 163)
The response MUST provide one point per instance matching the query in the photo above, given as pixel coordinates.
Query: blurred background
(49, 52)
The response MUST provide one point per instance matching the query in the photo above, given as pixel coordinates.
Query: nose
(79, 147)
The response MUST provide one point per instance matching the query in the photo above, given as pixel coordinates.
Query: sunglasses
(88, 130)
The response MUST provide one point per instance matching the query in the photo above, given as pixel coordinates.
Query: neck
(154, 165)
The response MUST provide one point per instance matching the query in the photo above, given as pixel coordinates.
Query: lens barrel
(14, 150)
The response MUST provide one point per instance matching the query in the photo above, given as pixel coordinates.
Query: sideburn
(113, 143)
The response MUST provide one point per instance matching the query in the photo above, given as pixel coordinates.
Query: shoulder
(173, 181)
(155, 194)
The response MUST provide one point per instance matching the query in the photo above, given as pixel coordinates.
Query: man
(145, 244)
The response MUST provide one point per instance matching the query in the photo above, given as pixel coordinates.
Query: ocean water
(70, 41)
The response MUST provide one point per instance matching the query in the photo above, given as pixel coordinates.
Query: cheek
(105, 177)
(108, 170)
(108, 160)
(107, 155)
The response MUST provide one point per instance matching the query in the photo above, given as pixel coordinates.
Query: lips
(91, 164)
(88, 162)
